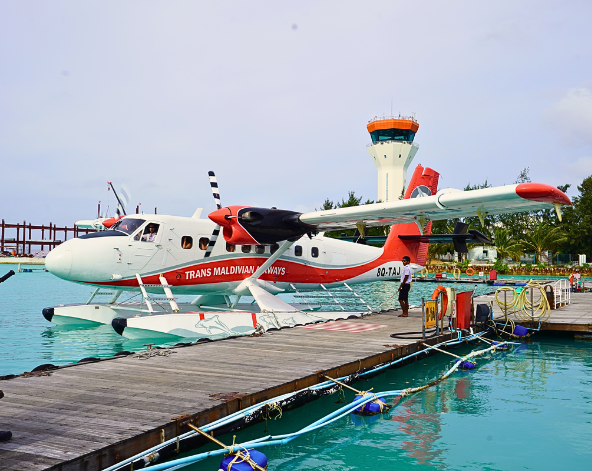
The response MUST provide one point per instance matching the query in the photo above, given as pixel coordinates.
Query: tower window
(381, 135)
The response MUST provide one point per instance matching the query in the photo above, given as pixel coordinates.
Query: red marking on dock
(342, 326)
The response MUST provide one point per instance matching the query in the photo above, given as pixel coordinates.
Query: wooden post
(17, 238)
(42, 235)
(2, 240)
(29, 238)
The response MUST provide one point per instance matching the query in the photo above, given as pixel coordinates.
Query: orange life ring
(436, 293)
(470, 270)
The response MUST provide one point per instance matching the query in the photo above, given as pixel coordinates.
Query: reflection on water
(528, 409)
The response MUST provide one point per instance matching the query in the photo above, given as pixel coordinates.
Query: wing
(446, 204)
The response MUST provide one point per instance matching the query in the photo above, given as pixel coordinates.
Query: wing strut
(265, 300)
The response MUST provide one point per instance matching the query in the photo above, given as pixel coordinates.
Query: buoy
(374, 407)
(240, 462)
(520, 331)
(470, 271)
(370, 408)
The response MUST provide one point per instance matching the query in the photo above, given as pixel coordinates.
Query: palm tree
(506, 245)
(543, 237)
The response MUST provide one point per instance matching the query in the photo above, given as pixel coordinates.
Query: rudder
(424, 182)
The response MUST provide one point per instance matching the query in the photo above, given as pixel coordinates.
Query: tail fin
(424, 182)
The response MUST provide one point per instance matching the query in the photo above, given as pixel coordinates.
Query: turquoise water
(27, 340)
(529, 409)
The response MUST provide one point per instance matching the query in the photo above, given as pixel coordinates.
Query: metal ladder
(97, 292)
(167, 291)
(345, 298)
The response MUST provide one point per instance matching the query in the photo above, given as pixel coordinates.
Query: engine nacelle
(245, 225)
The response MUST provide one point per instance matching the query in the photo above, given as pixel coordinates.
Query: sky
(275, 97)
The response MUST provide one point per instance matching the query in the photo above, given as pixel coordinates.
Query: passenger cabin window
(314, 252)
(298, 250)
(274, 248)
(128, 225)
(246, 248)
(203, 243)
(186, 242)
(150, 232)
(230, 247)
(260, 249)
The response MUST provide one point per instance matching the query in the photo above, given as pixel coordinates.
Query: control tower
(392, 150)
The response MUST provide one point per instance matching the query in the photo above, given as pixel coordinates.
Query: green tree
(577, 221)
(352, 200)
(542, 237)
(506, 245)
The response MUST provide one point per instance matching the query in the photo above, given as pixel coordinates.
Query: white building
(392, 151)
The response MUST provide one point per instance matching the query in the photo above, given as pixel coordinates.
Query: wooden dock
(90, 416)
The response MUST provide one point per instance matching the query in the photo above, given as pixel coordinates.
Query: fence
(23, 240)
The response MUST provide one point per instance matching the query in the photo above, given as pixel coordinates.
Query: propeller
(216, 195)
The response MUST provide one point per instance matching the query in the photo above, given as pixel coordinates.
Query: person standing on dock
(406, 278)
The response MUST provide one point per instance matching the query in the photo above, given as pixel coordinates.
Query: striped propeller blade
(216, 195)
(214, 185)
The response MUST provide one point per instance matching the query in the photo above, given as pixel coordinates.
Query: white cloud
(572, 117)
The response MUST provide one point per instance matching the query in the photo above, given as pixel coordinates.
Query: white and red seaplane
(264, 252)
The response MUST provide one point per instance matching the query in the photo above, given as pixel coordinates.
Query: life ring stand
(441, 290)
(470, 271)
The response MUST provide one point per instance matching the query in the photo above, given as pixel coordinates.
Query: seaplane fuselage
(175, 247)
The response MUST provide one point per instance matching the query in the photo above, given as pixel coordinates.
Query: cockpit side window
(246, 249)
(186, 242)
(150, 232)
(128, 225)
(260, 249)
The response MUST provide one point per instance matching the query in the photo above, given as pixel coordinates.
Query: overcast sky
(275, 98)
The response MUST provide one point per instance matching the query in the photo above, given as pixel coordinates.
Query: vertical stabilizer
(424, 182)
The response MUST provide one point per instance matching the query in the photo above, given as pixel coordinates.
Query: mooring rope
(332, 417)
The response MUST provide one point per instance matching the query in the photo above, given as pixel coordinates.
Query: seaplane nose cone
(59, 261)
(219, 216)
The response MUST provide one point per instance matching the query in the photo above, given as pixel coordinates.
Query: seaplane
(263, 252)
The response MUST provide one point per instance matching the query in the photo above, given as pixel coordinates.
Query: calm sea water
(529, 409)
(27, 340)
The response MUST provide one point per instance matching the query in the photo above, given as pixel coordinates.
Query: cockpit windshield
(127, 225)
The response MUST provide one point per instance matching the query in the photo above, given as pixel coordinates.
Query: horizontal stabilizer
(459, 240)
